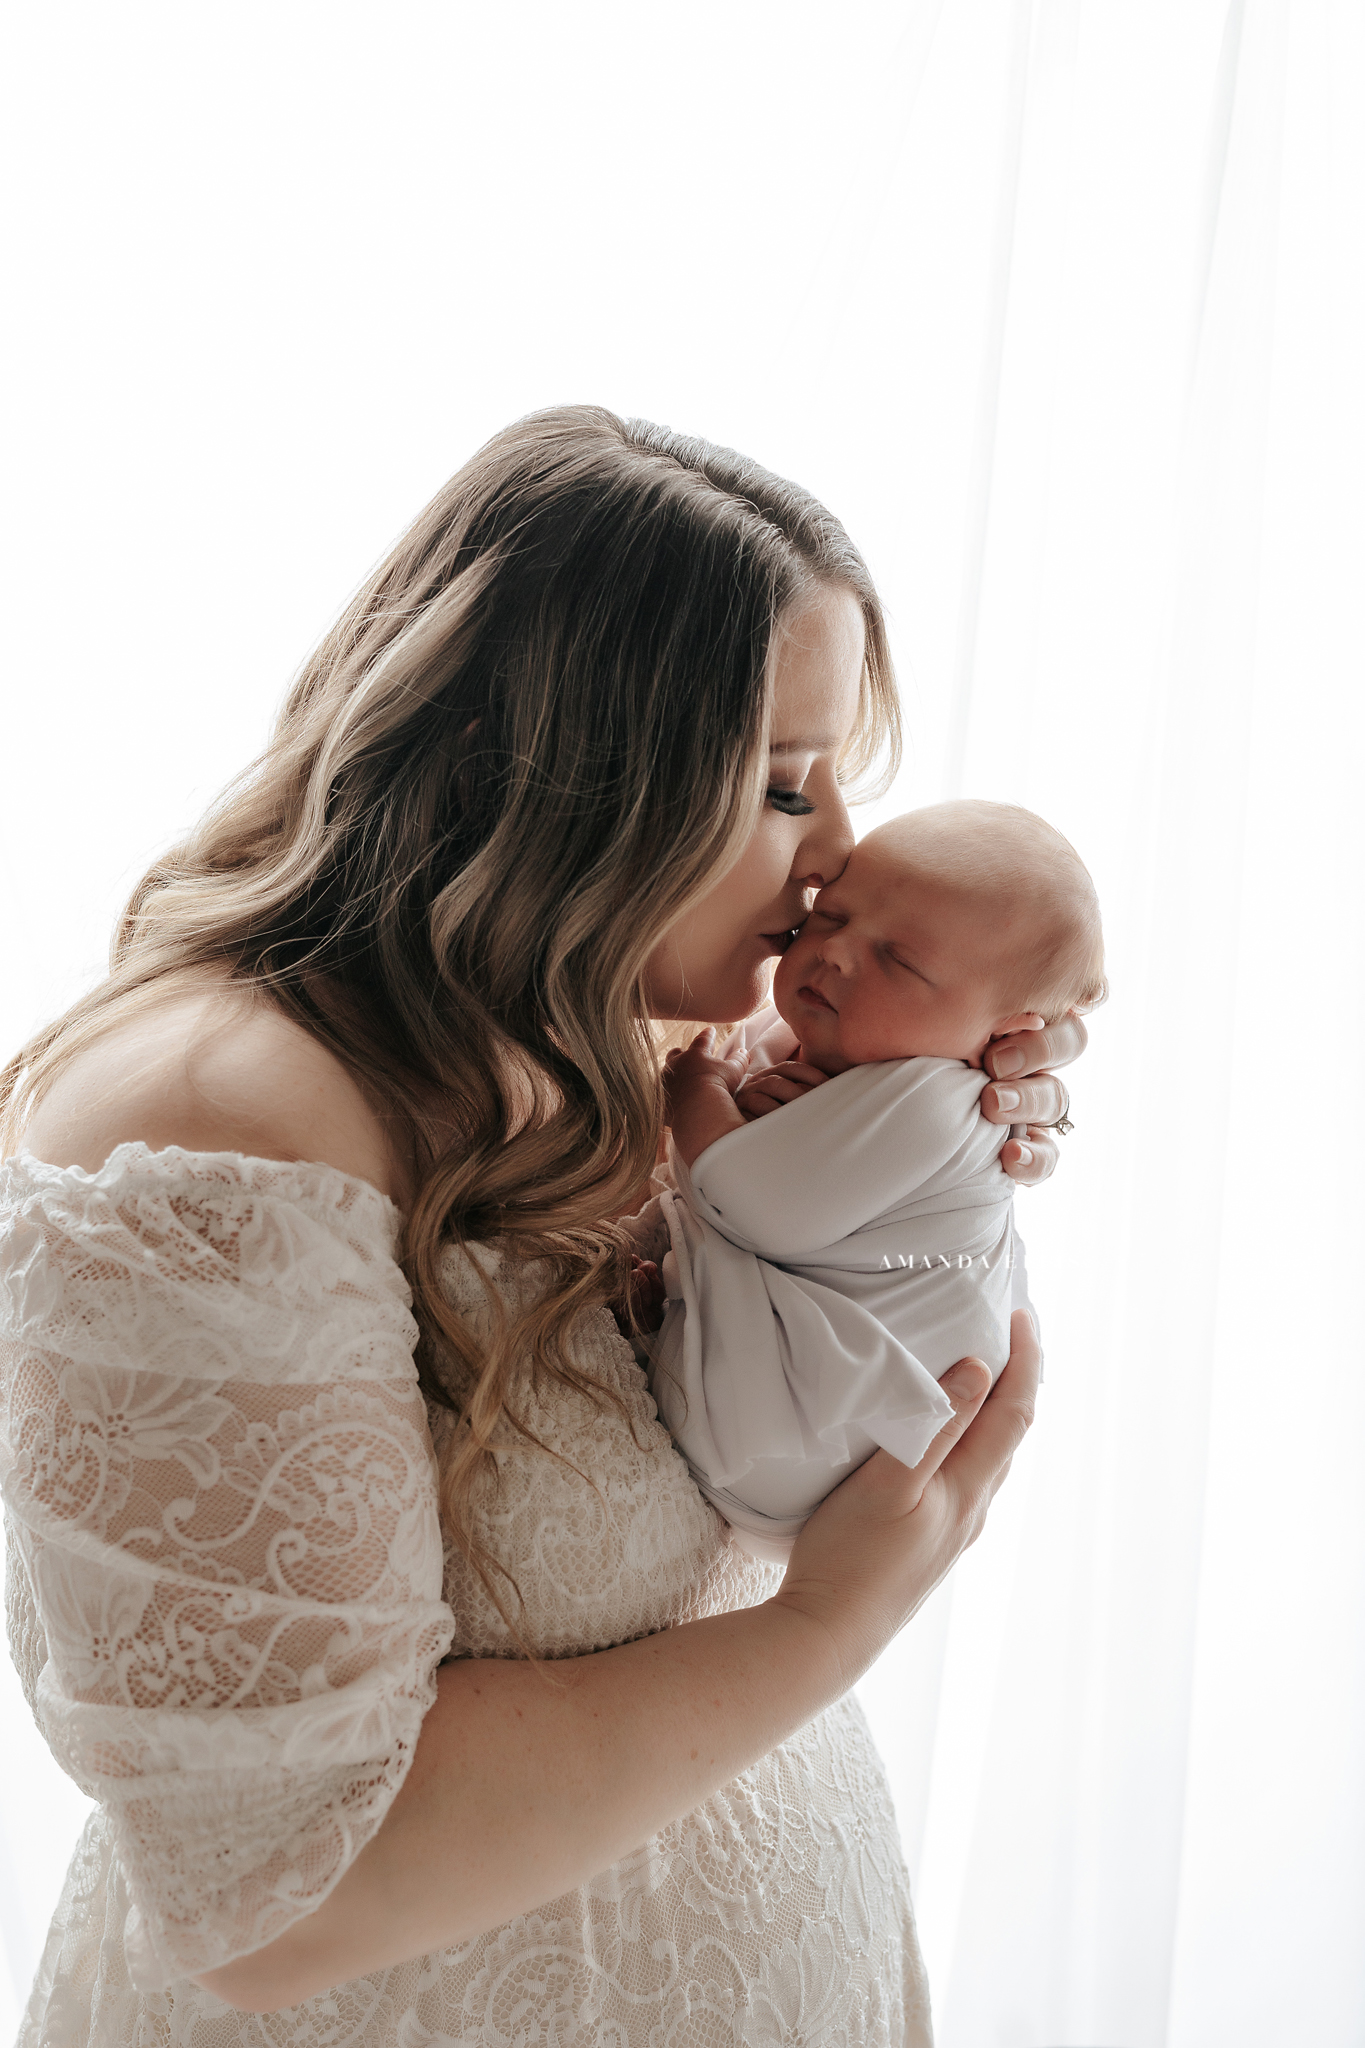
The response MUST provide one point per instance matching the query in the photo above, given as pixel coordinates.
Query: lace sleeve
(218, 1478)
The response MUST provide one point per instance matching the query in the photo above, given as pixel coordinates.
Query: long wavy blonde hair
(532, 740)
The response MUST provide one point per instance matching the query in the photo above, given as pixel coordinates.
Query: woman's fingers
(976, 1463)
(1029, 1052)
(876, 1547)
(967, 1384)
(1025, 1094)
(1029, 1159)
(1037, 1099)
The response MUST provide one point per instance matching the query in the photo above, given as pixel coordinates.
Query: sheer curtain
(1060, 303)
(1135, 1797)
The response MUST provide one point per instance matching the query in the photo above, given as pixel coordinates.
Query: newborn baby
(841, 1229)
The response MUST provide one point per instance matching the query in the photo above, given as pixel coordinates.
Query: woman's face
(712, 965)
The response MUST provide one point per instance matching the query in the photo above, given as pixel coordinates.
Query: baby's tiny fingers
(777, 1087)
(800, 1070)
(754, 1103)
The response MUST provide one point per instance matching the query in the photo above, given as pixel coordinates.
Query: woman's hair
(532, 740)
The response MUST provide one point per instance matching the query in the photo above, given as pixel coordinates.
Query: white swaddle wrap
(828, 1262)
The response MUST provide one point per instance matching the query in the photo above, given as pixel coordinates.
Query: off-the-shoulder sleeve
(218, 1477)
(806, 1175)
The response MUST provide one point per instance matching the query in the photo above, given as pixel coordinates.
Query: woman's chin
(724, 998)
(740, 997)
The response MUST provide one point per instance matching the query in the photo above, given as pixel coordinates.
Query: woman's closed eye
(790, 802)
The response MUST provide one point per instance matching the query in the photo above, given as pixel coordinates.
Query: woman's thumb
(966, 1382)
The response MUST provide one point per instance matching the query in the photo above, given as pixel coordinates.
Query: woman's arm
(527, 1781)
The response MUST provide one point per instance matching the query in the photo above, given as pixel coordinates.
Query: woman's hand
(1024, 1091)
(878, 1545)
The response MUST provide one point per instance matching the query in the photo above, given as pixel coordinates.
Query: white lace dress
(227, 1599)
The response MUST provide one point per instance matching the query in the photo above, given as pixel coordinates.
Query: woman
(380, 1033)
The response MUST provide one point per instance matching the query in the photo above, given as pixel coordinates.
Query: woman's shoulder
(204, 1167)
(215, 1070)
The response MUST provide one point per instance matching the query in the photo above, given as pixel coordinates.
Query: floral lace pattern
(227, 1597)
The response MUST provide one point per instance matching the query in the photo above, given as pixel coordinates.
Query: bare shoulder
(217, 1070)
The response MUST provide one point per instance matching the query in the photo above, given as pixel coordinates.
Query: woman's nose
(823, 853)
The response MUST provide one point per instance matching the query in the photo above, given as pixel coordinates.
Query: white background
(1058, 303)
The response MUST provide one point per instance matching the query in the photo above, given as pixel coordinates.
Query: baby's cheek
(859, 1019)
(785, 977)
(873, 1025)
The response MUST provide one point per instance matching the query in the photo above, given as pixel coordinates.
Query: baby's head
(948, 927)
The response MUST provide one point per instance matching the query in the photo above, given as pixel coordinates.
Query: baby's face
(892, 965)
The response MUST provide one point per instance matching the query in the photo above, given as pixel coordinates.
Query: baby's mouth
(813, 995)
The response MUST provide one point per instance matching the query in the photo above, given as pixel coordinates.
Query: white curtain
(1061, 304)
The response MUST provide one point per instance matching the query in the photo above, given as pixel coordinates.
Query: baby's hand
(645, 1301)
(698, 1069)
(699, 1090)
(774, 1086)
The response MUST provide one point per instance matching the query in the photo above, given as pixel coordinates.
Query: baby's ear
(1026, 1020)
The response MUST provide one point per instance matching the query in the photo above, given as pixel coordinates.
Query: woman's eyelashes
(790, 802)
